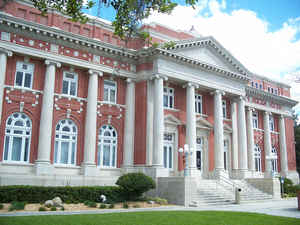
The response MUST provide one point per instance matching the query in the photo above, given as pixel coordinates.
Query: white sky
(273, 54)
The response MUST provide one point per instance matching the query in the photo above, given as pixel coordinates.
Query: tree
(129, 13)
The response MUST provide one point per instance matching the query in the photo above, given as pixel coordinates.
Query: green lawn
(155, 218)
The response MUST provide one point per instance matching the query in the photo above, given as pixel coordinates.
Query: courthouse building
(78, 106)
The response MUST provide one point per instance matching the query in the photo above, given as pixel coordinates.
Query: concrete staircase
(222, 192)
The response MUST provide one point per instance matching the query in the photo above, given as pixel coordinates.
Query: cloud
(248, 37)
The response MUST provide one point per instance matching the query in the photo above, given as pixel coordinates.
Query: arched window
(65, 142)
(107, 147)
(274, 160)
(17, 138)
(257, 158)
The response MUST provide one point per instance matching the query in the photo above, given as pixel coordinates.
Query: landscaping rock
(49, 203)
(57, 202)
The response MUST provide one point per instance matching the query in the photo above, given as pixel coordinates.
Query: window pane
(65, 87)
(109, 84)
(105, 94)
(98, 155)
(64, 152)
(55, 151)
(26, 149)
(170, 157)
(113, 96)
(18, 132)
(73, 153)
(171, 102)
(65, 137)
(19, 123)
(73, 89)
(27, 80)
(165, 156)
(106, 155)
(114, 156)
(16, 149)
(69, 75)
(65, 128)
(6, 148)
(165, 101)
(19, 78)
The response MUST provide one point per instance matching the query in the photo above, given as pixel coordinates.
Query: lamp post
(188, 152)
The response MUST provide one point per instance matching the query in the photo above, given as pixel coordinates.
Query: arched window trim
(69, 138)
(257, 158)
(107, 137)
(15, 132)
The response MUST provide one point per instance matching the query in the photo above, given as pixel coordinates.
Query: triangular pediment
(209, 51)
(203, 123)
(170, 119)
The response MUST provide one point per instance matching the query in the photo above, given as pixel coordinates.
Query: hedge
(38, 194)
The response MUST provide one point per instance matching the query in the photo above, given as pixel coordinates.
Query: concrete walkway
(286, 207)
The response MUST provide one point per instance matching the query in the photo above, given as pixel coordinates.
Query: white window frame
(69, 83)
(20, 69)
(168, 99)
(110, 89)
(110, 141)
(61, 136)
(255, 119)
(198, 103)
(257, 158)
(224, 110)
(272, 123)
(14, 131)
(168, 148)
(274, 160)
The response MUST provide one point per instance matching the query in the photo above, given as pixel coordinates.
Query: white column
(3, 62)
(283, 152)
(218, 132)
(267, 145)
(45, 132)
(158, 124)
(191, 123)
(129, 124)
(250, 137)
(243, 161)
(90, 132)
(235, 155)
(149, 138)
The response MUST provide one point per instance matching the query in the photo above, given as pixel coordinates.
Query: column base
(159, 171)
(129, 169)
(269, 174)
(89, 170)
(43, 168)
(218, 173)
(243, 174)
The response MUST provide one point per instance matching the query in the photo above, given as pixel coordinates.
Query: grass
(155, 218)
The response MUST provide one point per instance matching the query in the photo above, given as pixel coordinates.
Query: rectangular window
(224, 109)
(69, 86)
(260, 86)
(168, 97)
(198, 104)
(110, 91)
(24, 75)
(252, 83)
(255, 120)
(256, 85)
(275, 91)
(272, 124)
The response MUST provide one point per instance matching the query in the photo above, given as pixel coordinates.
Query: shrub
(1, 206)
(48, 205)
(134, 185)
(53, 208)
(125, 205)
(161, 201)
(87, 202)
(38, 194)
(92, 204)
(136, 206)
(111, 206)
(41, 209)
(102, 206)
(62, 208)
(17, 206)
(289, 189)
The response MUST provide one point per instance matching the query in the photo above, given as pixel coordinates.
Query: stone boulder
(49, 203)
(57, 202)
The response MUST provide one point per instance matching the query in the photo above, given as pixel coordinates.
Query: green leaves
(129, 13)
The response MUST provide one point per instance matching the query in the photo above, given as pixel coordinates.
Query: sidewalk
(286, 207)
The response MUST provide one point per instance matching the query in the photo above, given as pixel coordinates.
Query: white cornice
(254, 92)
(63, 59)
